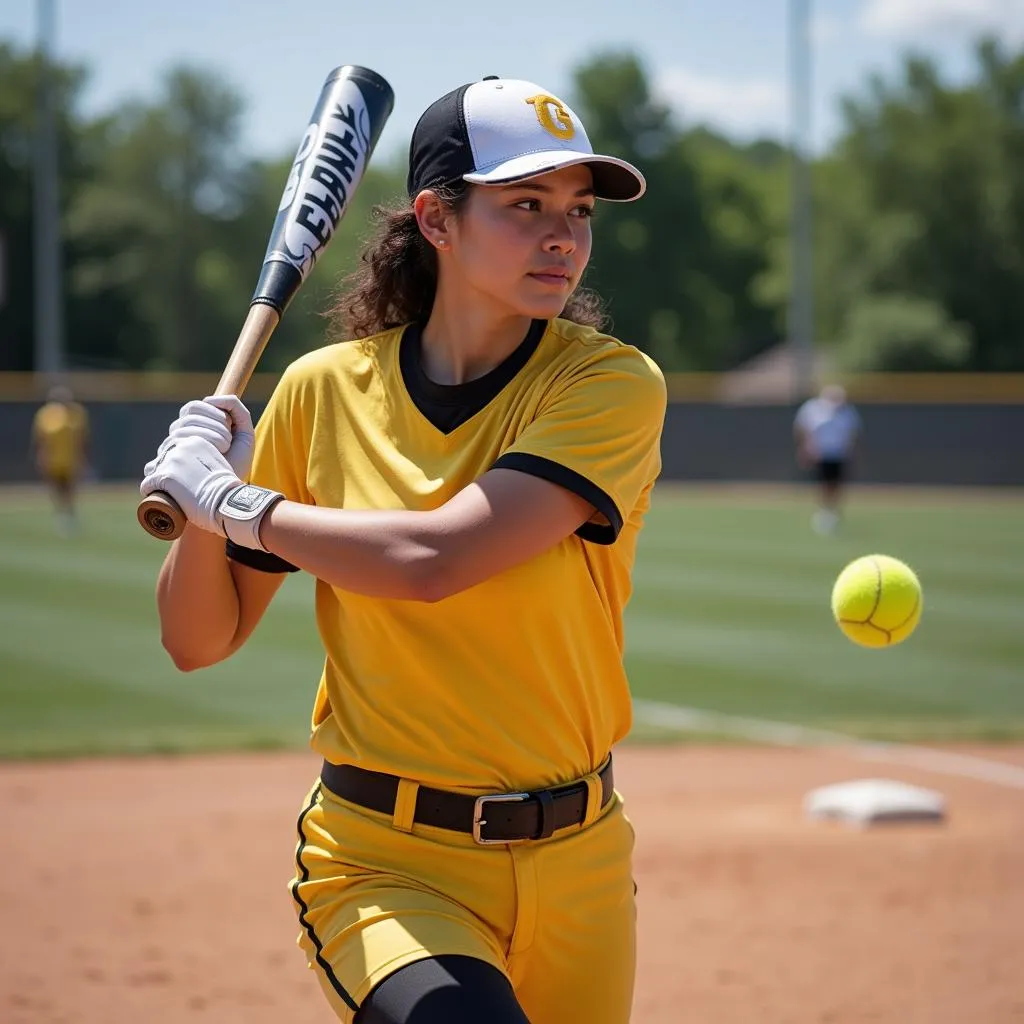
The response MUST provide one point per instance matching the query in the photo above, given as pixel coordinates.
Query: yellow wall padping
(126, 386)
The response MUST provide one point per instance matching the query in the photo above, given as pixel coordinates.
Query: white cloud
(908, 18)
(747, 107)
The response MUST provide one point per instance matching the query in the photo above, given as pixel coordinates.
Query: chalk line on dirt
(677, 718)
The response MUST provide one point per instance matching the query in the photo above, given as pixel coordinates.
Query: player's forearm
(392, 554)
(197, 601)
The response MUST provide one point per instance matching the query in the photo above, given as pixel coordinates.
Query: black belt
(494, 818)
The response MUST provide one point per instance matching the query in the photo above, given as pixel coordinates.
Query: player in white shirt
(826, 430)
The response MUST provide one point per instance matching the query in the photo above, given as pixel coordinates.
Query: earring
(441, 243)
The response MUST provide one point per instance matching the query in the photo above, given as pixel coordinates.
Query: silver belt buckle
(479, 820)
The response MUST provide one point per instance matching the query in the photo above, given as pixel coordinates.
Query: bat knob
(161, 517)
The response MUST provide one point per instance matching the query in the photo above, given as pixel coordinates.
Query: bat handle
(160, 516)
(159, 513)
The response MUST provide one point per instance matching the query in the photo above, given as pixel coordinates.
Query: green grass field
(730, 614)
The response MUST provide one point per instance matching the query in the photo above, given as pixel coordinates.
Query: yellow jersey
(517, 682)
(59, 430)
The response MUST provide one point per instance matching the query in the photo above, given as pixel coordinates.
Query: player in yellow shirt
(466, 478)
(60, 436)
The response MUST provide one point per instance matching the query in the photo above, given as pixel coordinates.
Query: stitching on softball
(913, 612)
(878, 594)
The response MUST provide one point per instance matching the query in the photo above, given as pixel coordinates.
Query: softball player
(827, 429)
(60, 435)
(466, 480)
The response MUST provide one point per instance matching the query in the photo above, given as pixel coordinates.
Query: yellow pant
(60, 474)
(556, 916)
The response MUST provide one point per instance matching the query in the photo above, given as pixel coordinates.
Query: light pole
(800, 320)
(49, 294)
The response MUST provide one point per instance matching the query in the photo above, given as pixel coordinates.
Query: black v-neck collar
(448, 406)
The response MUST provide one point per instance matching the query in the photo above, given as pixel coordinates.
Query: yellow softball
(877, 601)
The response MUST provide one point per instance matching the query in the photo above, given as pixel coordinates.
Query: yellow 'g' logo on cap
(553, 117)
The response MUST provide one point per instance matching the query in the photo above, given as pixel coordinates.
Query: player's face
(526, 245)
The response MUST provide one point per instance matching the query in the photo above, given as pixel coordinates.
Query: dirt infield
(156, 891)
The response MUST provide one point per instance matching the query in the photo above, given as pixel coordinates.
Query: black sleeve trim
(264, 561)
(556, 473)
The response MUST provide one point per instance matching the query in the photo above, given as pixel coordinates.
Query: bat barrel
(332, 156)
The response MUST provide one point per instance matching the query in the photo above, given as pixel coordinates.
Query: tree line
(918, 224)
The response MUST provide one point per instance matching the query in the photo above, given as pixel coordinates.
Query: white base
(872, 801)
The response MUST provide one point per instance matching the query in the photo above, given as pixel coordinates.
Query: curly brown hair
(396, 279)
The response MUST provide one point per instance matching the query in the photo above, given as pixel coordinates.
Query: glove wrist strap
(241, 511)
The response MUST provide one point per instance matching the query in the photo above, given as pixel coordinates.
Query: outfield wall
(919, 442)
(955, 445)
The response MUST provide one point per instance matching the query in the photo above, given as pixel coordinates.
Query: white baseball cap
(502, 130)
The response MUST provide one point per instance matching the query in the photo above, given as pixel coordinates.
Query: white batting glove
(195, 475)
(223, 421)
(200, 479)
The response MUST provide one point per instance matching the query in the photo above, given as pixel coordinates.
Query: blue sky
(719, 61)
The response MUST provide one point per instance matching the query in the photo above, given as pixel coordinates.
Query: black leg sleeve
(443, 990)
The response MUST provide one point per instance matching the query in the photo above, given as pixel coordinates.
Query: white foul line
(683, 719)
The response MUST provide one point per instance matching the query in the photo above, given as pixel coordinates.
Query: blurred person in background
(60, 437)
(826, 430)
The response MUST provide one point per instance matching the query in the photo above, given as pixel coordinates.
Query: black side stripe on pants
(303, 876)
